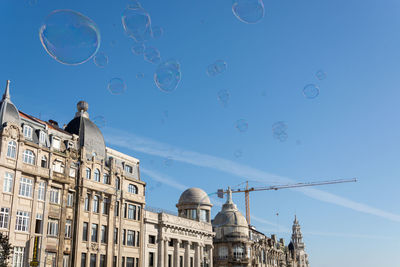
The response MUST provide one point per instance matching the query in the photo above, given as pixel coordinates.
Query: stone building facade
(65, 198)
(185, 240)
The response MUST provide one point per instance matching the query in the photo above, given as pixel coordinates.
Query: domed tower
(298, 244)
(90, 136)
(194, 204)
(8, 111)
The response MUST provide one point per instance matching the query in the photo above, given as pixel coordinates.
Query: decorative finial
(82, 107)
(229, 196)
(6, 94)
(295, 219)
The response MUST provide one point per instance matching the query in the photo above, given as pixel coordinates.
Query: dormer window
(27, 131)
(56, 143)
(42, 137)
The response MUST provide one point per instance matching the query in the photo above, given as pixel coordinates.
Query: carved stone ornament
(14, 132)
(94, 246)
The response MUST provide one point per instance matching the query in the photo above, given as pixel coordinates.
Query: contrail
(149, 146)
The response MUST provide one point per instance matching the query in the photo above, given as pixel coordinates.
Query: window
(96, 203)
(18, 257)
(151, 259)
(58, 166)
(55, 195)
(28, 157)
(115, 235)
(70, 199)
(85, 231)
(83, 260)
(103, 237)
(204, 215)
(169, 260)
(103, 260)
(152, 239)
(132, 189)
(87, 202)
(131, 212)
(72, 171)
(88, 173)
(93, 260)
(131, 238)
(106, 178)
(180, 261)
(25, 187)
(42, 191)
(123, 237)
(38, 223)
(4, 217)
(116, 211)
(56, 143)
(128, 168)
(191, 262)
(138, 212)
(137, 239)
(42, 137)
(52, 227)
(65, 260)
(223, 252)
(43, 162)
(238, 252)
(8, 182)
(12, 149)
(105, 205)
(68, 228)
(51, 259)
(130, 261)
(27, 131)
(115, 261)
(22, 221)
(117, 184)
(95, 228)
(97, 175)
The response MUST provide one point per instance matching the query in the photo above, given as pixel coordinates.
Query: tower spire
(6, 94)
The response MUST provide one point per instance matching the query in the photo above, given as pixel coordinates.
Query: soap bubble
(133, 4)
(321, 75)
(32, 2)
(157, 32)
(116, 86)
(223, 97)
(140, 75)
(69, 37)
(311, 91)
(100, 59)
(100, 121)
(168, 162)
(248, 11)
(138, 49)
(152, 55)
(137, 24)
(168, 76)
(216, 68)
(242, 125)
(238, 153)
(279, 131)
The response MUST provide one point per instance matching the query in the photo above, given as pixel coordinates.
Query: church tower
(298, 245)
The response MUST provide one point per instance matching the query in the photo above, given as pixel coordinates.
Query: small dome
(194, 196)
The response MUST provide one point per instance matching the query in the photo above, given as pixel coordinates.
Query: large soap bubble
(167, 76)
(311, 91)
(69, 37)
(248, 11)
(137, 24)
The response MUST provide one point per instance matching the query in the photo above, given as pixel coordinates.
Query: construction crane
(248, 189)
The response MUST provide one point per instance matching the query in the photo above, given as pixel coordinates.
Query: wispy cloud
(162, 178)
(149, 146)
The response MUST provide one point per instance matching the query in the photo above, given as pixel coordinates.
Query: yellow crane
(248, 189)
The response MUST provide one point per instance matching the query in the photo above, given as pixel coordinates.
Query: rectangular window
(95, 228)
(130, 238)
(70, 199)
(169, 260)
(137, 239)
(42, 191)
(96, 203)
(105, 205)
(115, 235)
(87, 202)
(85, 231)
(38, 223)
(51, 259)
(93, 260)
(151, 259)
(65, 260)
(88, 173)
(106, 178)
(138, 212)
(116, 211)
(52, 227)
(152, 239)
(130, 262)
(25, 187)
(103, 237)
(72, 172)
(191, 262)
(131, 212)
(4, 217)
(55, 195)
(8, 182)
(123, 262)
(128, 168)
(22, 221)
(115, 261)
(83, 260)
(68, 228)
(123, 237)
(56, 143)
(18, 257)
(103, 261)
(180, 261)
(42, 137)
(27, 131)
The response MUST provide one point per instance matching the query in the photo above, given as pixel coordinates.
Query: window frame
(27, 131)
(28, 157)
(4, 217)
(22, 221)
(8, 182)
(25, 187)
(12, 149)
(52, 227)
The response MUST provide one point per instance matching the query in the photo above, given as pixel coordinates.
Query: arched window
(106, 178)
(43, 162)
(12, 149)
(28, 157)
(117, 184)
(132, 189)
(97, 175)
(88, 173)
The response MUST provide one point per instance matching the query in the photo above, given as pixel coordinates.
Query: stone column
(187, 254)
(211, 256)
(201, 254)
(166, 252)
(197, 256)
(176, 252)
(160, 258)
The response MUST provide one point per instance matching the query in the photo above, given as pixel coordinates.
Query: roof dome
(89, 134)
(230, 215)
(8, 112)
(194, 195)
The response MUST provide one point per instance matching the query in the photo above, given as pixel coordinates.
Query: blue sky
(350, 130)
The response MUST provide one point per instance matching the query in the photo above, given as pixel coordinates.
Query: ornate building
(65, 198)
(297, 246)
(180, 241)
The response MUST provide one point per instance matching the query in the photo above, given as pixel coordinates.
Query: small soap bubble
(168, 76)
(69, 37)
(32, 2)
(157, 32)
(279, 131)
(140, 75)
(100, 59)
(137, 24)
(238, 153)
(248, 11)
(168, 162)
(242, 125)
(116, 86)
(138, 49)
(223, 97)
(311, 91)
(134, 4)
(100, 121)
(216, 68)
(321, 75)
(152, 55)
